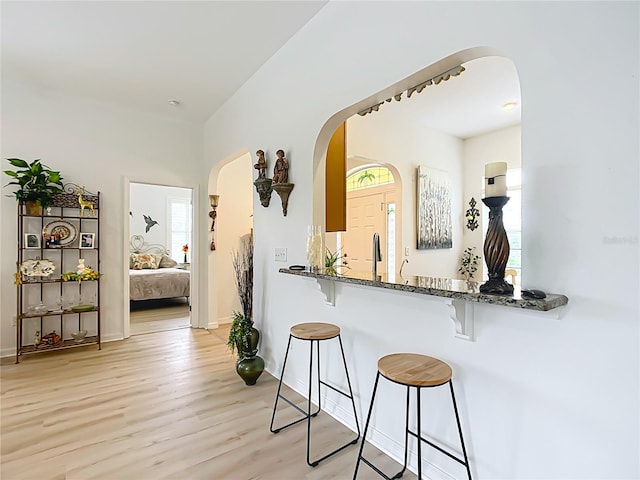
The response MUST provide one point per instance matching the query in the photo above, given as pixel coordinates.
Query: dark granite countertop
(439, 287)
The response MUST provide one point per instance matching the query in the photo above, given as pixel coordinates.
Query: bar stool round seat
(314, 333)
(416, 371)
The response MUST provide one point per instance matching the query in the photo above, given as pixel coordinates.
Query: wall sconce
(213, 200)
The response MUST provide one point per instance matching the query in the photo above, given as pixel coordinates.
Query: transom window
(369, 177)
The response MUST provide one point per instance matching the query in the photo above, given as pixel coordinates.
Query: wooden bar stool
(419, 371)
(314, 333)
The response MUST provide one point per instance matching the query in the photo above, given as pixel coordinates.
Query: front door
(366, 215)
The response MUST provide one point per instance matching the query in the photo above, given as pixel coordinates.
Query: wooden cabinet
(54, 310)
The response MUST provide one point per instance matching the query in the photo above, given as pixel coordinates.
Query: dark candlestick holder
(496, 249)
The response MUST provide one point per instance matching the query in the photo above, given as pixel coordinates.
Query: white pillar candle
(495, 179)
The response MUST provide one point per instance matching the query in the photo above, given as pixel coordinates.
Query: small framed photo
(31, 240)
(87, 240)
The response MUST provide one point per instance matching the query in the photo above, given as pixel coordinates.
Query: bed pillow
(142, 261)
(167, 262)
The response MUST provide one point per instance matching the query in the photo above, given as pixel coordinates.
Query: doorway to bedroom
(161, 230)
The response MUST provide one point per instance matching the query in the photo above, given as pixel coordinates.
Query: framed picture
(31, 240)
(87, 240)
(434, 227)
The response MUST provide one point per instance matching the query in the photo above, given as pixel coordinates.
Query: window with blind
(179, 225)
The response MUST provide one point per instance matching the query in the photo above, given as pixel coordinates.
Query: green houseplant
(243, 336)
(37, 183)
(469, 263)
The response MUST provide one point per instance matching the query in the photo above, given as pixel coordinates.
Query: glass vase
(315, 257)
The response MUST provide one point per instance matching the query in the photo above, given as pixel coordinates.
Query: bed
(153, 274)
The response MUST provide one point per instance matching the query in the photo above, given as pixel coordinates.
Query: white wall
(153, 201)
(539, 398)
(234, 220)
(96, 145)
(399, 141)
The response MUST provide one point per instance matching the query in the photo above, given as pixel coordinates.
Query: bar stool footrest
(440, 449)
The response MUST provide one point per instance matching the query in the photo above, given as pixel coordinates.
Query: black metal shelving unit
(65, 209)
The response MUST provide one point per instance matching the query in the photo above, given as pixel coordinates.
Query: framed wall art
(434, 228)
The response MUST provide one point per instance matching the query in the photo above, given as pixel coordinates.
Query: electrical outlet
(14, 321)
(406, 251)
(281, 255)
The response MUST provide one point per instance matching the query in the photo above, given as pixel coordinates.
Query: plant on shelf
(331, 261)
(243, 336)
(469, 263)
(36, 181)
(88, 274)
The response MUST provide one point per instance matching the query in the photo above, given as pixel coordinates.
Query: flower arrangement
(331, 259)
(88, 274)
(185, 250)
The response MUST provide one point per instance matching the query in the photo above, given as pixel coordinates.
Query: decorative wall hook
(472, 214)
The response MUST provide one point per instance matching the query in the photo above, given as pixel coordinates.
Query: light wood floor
(163, 405)
(159, 315)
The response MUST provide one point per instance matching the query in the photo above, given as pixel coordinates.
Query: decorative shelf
(460, 296)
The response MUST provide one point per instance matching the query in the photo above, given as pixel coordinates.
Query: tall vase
(315, 252)
(251, 366)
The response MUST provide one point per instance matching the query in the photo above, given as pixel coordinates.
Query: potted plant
(469, 263)
(37, 183)
(331, 261)
(243, 336)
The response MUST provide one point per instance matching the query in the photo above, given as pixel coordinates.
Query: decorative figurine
(81, 267)
(281, 170)
(261, 165)
(36, 338)
(84, 203)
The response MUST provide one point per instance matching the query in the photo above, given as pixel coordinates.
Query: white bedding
(159, 283)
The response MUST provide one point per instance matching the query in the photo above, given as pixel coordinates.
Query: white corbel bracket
(462, 314)
(328, 289)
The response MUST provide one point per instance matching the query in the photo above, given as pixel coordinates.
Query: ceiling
(144, 53)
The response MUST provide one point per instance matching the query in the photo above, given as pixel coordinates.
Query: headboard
(137, 244)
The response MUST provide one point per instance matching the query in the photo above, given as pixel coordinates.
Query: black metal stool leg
(464, 450)
(419, 433)
(353, 402)
(309, 398)
(364, 433)
(406, 438)
(280, 396)
(275, 406)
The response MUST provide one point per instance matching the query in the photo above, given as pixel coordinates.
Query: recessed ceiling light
(174, 103)
(509, 106)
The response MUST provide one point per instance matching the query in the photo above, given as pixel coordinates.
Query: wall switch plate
(281, 255)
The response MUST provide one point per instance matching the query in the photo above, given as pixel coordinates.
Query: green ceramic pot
(251, 366)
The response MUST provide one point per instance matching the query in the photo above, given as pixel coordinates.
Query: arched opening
(440, 129)
(230, 179)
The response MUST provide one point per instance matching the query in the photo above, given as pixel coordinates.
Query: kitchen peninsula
(458, 295)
